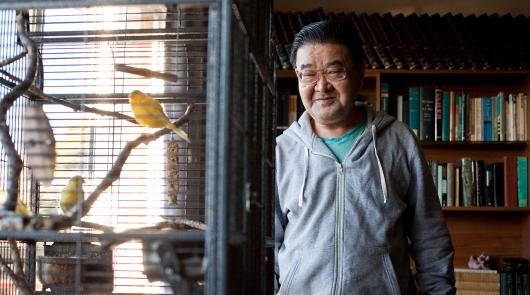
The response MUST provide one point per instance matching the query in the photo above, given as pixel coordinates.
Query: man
(352, 186)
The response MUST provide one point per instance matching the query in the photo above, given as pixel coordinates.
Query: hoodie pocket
(313, 273)
(370, 270)
(289, 276)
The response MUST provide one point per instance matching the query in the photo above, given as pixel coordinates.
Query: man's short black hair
(329, 31)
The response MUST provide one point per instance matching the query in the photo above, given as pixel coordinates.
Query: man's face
(328, 102)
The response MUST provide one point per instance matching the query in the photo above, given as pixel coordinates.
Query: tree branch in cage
(17, 262)
(14, 160)
(145, 73)
(97, 226)
(12, 59)
(19, 281)
(174, 223)
(74, 106)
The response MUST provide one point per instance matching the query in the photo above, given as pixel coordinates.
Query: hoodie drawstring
(306, 167)
(381, 173)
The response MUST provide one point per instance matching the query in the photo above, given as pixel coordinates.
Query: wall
(418, 6)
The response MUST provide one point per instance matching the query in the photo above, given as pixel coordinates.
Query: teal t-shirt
(341, 145)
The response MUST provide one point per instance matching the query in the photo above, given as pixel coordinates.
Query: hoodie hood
(302, 132)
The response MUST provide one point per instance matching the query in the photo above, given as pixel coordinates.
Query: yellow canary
(21, 208)
(72, 193)
(149, 113)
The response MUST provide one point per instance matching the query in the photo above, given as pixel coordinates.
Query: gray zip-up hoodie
(344, 228)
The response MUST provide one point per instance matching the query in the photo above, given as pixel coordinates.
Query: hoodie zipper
(339, 229)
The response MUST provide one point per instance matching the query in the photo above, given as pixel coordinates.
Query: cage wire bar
(225, 174)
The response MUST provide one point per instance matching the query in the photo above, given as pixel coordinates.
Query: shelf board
(505, 145)
(485, 209)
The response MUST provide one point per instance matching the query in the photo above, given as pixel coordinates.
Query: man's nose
(323, 84)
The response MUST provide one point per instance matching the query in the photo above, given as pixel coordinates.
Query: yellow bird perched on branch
(149, 113)
(20, 209)
(72, 193)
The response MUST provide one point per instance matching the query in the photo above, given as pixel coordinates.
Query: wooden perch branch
(19, 281)
(145, 73)
(175, 223)
(10, 60)
(15, 163)
(76, 107)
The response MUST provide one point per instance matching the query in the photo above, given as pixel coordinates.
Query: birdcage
(136, 145)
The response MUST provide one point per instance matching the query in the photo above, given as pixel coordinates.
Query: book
(477, 286)
(414, 110)
(488, 189)
(399, 112)
(487, 118)
(427, 120)
(385, 98)
(480, 183)
(452, 115)
(510, 181)
(498, 184)
(467, 182)
(293, 109)
(446, 116)
(522, 182)
(438, 109)
(450, 184)
(458, 199)
(500, 116)
(476, 275)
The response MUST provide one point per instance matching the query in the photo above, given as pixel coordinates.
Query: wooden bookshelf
(498, 231)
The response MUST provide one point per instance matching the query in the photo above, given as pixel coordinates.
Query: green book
(522, 181)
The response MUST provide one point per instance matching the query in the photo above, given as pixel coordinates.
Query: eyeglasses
(332, 74)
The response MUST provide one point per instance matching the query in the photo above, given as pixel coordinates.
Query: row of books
(514, 277)
(422, 41)
(437, 114)
(474, 282)
(476, 183)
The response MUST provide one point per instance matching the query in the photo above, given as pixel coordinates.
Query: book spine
(450, 184)
(480, 183)
(487, 114)
(385, 98)
(452, 115)
(426, 41)
(414, 109)
(501, 116)
(399, 112)
(522, 181)
(447, 116)
(467, 182)
(427, 102)
(293, 109)
(510, 182)
(488, 190)
(498, 184)
(438, 111)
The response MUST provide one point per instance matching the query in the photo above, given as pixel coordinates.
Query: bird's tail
(179, 132)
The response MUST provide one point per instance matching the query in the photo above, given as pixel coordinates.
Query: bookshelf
(498, 231)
